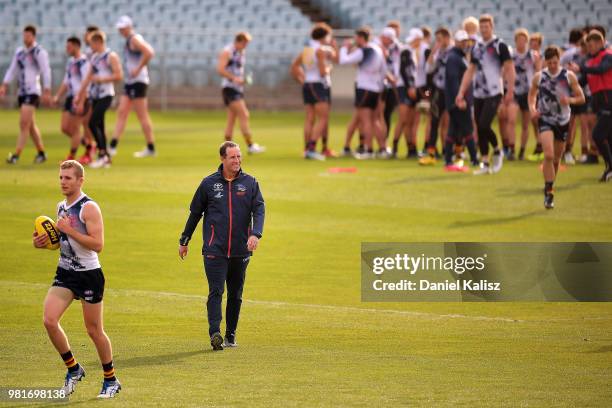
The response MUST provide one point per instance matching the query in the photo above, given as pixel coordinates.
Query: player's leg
(391, 102)
(350, 131)
(94, 322)
(602, 136)
(229, 124)
(412, 118)
(141, 107)
(97, 127)
(366, 126)
(413, 130)
(512, 111)
(123, 111)
(73, 124)
(56, 302)
(26, 117)
(37, 139)
(399, 127)
(309, 118)
(216, 269)
(525, 120)
(88, 138)
(321, 113)
(548, 166)
(235, 283)
(243, 115)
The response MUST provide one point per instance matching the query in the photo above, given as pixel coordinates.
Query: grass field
(305, 337)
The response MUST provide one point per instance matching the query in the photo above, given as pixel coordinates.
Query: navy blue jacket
(456, 65)
(232, 211)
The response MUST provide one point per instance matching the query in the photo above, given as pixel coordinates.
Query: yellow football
(45, 225)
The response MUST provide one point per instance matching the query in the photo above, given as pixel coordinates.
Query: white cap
(389, 33)
(413, 34)
(124, 22)
(461, 35)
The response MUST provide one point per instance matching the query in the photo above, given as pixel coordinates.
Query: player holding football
(78, 276)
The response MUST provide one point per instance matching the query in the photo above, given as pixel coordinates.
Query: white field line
(162, 294)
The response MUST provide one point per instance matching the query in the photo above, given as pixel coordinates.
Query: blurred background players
(77, 68)
(105, 69)
(550, 97)
(136, 56)
(29, 64)
(312, 69)
(490, 61)
(231, 68)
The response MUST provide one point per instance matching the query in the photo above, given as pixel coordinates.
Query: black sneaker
(549, 203)
(216, 341)
(40, 158)
(230, 341)
(606, 176)
(12, 158)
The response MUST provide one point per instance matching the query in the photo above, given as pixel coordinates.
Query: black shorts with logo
(315, 92)
(522, 102)
(230, 95)
(135, 90)
(560, 132)
(86, 285)
(32, 99)
(366, 99)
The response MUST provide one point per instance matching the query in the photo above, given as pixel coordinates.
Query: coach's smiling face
(232, 160)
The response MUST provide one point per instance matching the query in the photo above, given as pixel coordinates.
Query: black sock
(548, 187)
(395, 143)
(311, 146)
(73, 151)
(471, 146)
(151, 146)
(109, 371)
(84, 142)
(70, 361)
(538, 149)
(448, 153)
(114, 143)
(522, 151)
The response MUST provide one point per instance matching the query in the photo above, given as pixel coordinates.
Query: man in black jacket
(233, 209)
(460, 128)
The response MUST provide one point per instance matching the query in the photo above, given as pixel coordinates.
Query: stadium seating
(278, 29)
(553, 18)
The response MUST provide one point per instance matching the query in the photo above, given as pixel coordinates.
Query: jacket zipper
(229, 240)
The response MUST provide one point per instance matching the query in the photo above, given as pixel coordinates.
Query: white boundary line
(160, 294)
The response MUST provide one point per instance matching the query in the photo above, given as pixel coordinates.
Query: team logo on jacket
(219, 195)
(218, 187)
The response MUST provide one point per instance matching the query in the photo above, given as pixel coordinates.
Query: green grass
(305, 337)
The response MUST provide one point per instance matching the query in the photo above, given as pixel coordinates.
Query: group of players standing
(468, 84)
(88, 89)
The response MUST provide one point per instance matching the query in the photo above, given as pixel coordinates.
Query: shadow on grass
(529, 191)
(160, 359)
(496, 220)
(602, 349)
